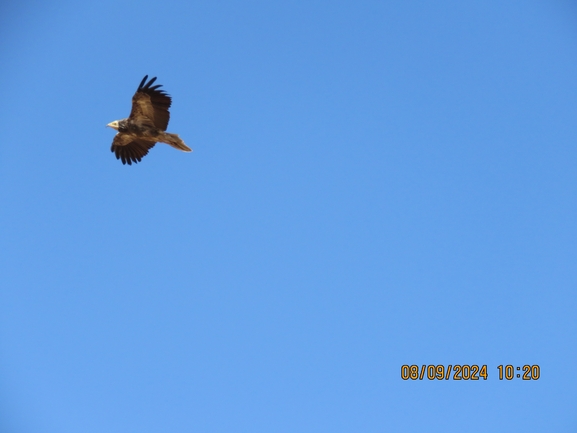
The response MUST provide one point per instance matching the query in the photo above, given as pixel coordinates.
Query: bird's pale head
(114, 125)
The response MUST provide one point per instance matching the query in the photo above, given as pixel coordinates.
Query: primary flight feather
(145, 126)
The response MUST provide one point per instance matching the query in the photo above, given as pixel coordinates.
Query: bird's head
(114, 125)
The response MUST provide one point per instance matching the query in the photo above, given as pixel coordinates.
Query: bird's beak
(113, 125)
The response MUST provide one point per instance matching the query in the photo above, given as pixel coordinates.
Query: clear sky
(373, 184)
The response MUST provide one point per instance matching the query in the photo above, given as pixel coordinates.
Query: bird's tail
(175, 141)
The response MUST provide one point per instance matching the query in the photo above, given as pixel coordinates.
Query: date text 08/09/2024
(468, 372)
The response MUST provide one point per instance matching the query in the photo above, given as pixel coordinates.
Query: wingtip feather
(150, 83)
(142, 82)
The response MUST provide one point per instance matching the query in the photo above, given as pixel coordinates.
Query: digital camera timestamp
(468, 372)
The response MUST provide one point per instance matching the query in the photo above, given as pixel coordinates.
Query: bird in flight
(145, 126)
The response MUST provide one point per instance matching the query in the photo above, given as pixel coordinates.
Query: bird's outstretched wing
(130, 152)
(150, 105)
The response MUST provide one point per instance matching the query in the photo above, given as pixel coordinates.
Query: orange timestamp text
(468, 372)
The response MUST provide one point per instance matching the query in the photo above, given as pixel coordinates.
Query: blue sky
(373, 184)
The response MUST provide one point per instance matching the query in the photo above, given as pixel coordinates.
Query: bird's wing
(150, 105)
(128, 149)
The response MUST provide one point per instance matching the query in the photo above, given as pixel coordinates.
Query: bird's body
(145, 126)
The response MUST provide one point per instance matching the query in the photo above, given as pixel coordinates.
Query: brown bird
(145, 126)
